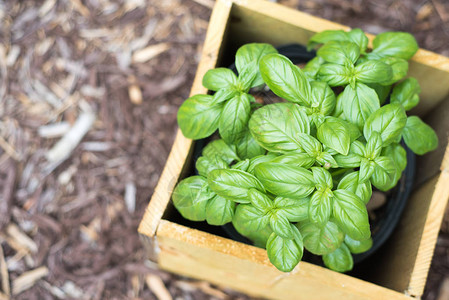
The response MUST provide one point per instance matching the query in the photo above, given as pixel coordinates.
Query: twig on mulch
(8, 190)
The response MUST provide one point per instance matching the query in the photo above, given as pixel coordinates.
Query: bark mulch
(89, 92)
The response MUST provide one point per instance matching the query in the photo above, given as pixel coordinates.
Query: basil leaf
(219, 78)
(406, 93)
(320, 207)
(296, 210)
(242, 165)
(359, 103)
(284, 254)
(312, 67)
(284, 180)
(285, 79)
(399, 68)
(275, 126)
(335, 134)
(419, 136)
(198, 117)
(382, 91)
(322, 177)
(234, 118)
(249, 222)
(357, 147)
(260, 200)
(253, 162)
(295, 159)
(339, 52)
(389, 121)
(348, 161)
(358, 247)
(340, 260)
(326, 160)
(373, 146)
(247, 147)
(280, 225)
(219, 148)
(321, 240)
(323, 98)
(358, 37)
(350, 182)
(373, 71)
(223, 95)
(366, 169)
(205, 164)
(351, 215)
(396, 44)
(219, 211)
(326, 36)
(251, 54)
(338, 111)
(384, 173)
(334, 74)
(233, 184)
(191, 196)
(310, 144)
(397, 153)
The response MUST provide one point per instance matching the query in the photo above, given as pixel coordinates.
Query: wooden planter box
(400, 268)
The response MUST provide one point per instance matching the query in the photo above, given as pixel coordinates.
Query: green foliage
(298, 174)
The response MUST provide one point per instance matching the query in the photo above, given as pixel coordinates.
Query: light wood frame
(404, 264)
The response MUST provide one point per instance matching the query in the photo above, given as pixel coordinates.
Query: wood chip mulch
(89, 92)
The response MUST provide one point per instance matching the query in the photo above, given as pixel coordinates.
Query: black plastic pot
(389, 214)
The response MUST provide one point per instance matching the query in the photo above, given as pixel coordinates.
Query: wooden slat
(182, 145)
(246, 268)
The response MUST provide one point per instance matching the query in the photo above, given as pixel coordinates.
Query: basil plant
(299, 173)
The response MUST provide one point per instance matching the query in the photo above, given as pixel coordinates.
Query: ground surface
(120, 69)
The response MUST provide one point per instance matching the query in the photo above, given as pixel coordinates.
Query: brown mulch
(116, 72)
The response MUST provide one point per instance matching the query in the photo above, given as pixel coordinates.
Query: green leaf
(253, 162)
(275, 126)
(205, 164)
(223, 95)
(358, 247)
(373, 71)
(340, 260)
(350, 213)
(326, 160)
(323, 98)
(247, 76)
(312, 67)
(406, 93)
(191, 196)
(295, 159)
(219, 211)
(339, 52)
(260, 200)
(284, 254)
(373, 146)
(296, 210)
(198, 116)
(284, 180)
(348, 161)
(247, 147)
(382, 91)
(322, 177)
(384, 173)
(399, 68)
(233, 184)
(280, 225)
(366, 169)
(335, 134)
(321, 240)
(320, 207)
(357, 147)
(242, 165)
(359, 103)
(326, 36)
(234, 118)
(389, 121)
(334, 74)
(219, 148)
(395, 44)
(419, 136)
(219, 78)
(249, 222)
(350, 182)
(251, 54)
(358, 37)
(285, 79)
(398, 154)
(310, 144)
